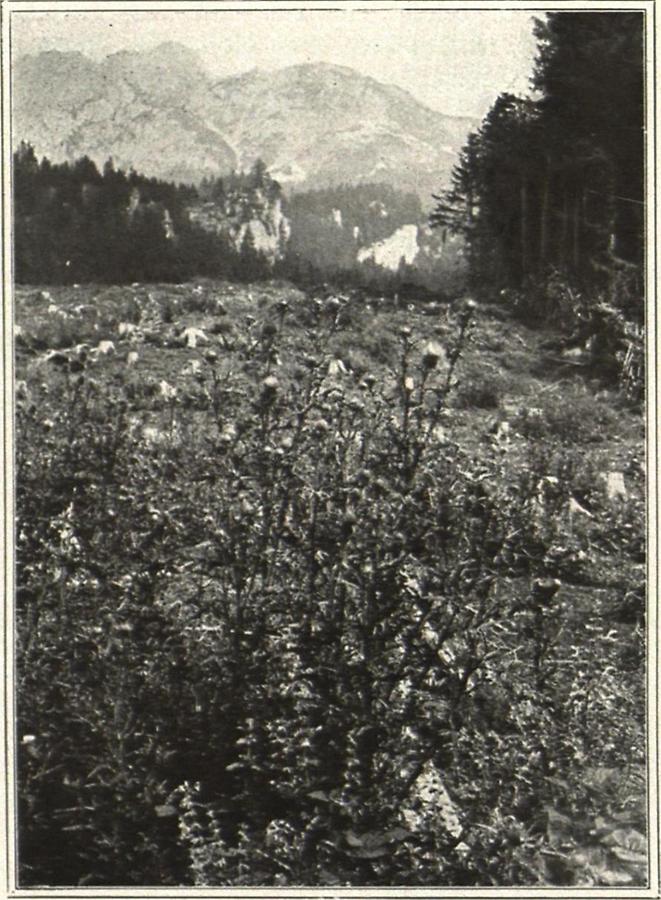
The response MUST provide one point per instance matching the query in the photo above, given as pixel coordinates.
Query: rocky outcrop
(256, 212)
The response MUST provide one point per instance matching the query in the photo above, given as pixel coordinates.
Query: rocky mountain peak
(158, 110)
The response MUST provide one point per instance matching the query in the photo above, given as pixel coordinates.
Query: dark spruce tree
(557, 183)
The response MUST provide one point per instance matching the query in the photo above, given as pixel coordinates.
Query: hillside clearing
(349, 588)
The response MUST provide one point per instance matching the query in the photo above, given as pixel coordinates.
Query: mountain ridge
(160, 111)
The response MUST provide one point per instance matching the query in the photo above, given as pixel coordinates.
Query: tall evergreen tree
(558, 182)
(601, 116)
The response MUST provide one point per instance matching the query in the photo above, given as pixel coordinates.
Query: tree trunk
(576, 231)
(583, 218)
(544, 220)
(564, 233)
(524, 229)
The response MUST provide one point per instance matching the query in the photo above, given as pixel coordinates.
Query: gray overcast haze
(457, 62)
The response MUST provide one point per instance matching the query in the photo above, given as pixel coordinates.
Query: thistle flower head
(270, 383)
(431, 354)
(468, 310)
(320, 426)
(270, 387)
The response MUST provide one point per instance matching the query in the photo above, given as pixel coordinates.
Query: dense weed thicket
(609, 322)
(278, 625)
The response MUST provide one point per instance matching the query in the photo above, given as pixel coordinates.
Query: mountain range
(160, 112)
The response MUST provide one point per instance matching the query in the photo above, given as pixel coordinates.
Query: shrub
(609, 321)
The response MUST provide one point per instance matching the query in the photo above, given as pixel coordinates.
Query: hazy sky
(455, 61)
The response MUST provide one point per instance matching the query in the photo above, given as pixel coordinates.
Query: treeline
(331, 226)
(555, 184)
(73, 223)
(257, 179)
(357, 213)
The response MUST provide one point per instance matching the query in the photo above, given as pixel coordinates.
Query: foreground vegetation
(314, 590)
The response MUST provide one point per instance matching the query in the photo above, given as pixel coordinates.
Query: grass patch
(572, 415)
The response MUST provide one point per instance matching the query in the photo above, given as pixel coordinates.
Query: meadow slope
(323, 589)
